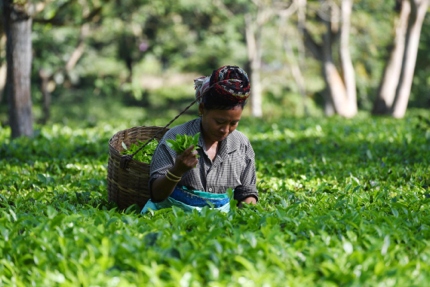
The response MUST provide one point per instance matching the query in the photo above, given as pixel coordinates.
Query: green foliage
(342, 203)
(187, 37)
(182, 142)
(144, 154)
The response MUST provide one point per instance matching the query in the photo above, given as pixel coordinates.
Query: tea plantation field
(342, 203)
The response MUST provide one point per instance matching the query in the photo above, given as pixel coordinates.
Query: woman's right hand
(185, 161)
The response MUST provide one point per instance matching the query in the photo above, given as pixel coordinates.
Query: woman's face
(218, 124)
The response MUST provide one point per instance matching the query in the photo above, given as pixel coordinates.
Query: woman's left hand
(248, 200)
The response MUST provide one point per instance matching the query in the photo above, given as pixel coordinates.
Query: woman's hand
(248, 200)
(185, 161)
(164, 185)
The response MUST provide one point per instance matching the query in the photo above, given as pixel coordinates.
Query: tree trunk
(395, 87)
(387, 88)
(2, 65)
(336, 89)
(346, 63)
(295, 61)
(341, 87)
(418, 12)
(254, 57)
(18, 53)
(340, 92)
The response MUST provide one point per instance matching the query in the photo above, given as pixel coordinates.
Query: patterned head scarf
(227, 86)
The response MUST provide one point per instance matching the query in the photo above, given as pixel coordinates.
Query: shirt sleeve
(248, 177)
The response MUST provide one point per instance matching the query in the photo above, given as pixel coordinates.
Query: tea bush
(342, 203)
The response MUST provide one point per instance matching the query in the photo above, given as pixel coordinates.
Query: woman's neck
(211, 149)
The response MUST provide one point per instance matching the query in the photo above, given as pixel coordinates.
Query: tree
(18, 22)
(295, 61)
(395, 86)
(340, 94)
(256, 16)
(50, 58)
(2, 58)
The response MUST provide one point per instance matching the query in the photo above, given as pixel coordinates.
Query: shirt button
(210, 189)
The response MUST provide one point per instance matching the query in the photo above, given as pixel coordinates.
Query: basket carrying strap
(125, 159)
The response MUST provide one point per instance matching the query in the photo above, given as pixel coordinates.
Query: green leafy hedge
(343, 203)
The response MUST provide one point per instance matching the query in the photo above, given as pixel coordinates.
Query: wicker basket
(128, 186)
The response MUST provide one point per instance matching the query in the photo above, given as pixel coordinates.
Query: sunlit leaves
(141, 150)
(329, 214)
(182, 142)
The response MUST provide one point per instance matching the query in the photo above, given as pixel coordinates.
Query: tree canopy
(111, 47)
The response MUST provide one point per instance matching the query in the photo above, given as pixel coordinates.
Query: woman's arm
(247, 192)
(250, 200)
(164, 185)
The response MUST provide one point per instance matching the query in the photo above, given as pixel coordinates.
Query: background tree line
(335, 56)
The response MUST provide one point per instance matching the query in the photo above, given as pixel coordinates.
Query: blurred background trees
(395, 87)
(17, 27)
(304, 57)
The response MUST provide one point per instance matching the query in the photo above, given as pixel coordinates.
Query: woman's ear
(201, 109)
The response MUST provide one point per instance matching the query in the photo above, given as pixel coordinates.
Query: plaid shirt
(233, 167)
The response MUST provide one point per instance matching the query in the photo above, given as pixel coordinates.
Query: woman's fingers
(188, 158)
(188, 150)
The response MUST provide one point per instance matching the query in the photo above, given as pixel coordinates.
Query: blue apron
(189, 200)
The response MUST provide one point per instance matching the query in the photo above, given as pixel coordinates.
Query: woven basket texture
(128, 186)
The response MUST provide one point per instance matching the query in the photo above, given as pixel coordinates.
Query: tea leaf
(183, 141)
(358, 218)
(145, 154)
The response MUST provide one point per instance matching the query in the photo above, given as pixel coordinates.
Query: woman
(224, 158)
